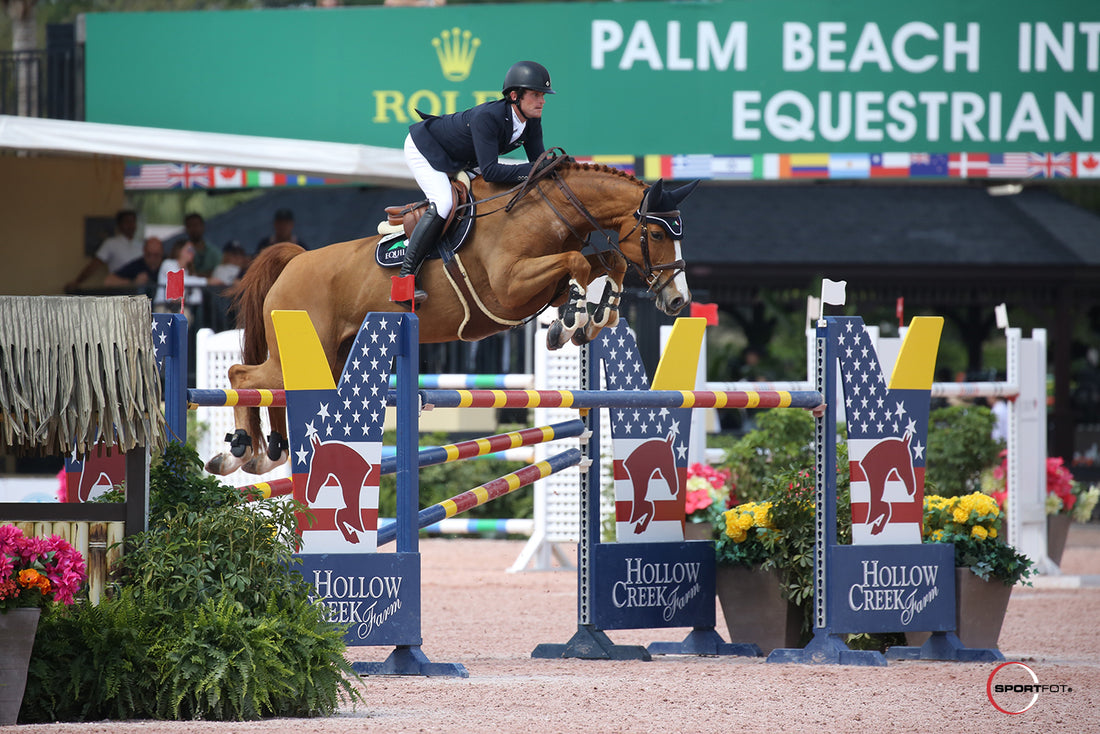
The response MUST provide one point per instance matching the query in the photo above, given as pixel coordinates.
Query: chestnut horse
(520, 258)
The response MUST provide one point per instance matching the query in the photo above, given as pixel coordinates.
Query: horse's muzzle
(672, 300)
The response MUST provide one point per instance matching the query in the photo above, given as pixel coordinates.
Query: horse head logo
(650, 459)
(99, 473)
(889, 459)
(336, 463)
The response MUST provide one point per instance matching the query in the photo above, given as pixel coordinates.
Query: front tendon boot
(423, 239)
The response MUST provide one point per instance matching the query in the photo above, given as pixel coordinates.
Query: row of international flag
(783, 166)
(756, 167)
(154, 176)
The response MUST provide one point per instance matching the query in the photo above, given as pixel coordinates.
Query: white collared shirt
(518, 126)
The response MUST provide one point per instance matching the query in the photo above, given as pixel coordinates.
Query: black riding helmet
(527, 75)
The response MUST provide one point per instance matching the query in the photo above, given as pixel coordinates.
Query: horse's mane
(599, 168)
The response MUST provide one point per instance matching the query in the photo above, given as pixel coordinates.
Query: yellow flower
(979, 532)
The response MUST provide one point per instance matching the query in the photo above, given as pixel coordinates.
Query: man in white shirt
(116, 251)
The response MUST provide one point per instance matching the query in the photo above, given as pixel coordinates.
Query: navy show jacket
(477, 137)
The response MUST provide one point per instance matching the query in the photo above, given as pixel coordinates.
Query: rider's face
(530, 104)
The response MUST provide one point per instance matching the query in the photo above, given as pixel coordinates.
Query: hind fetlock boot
(421, 241)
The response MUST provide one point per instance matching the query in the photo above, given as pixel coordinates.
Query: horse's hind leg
(278, 445)
(241, 445)
(247, 441)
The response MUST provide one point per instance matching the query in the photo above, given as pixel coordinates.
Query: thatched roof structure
(75, 371)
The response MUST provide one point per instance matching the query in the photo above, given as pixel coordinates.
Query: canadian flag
(228, 178)
(1088, 165)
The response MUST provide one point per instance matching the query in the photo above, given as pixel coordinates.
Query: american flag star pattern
(650, 447)
(161, 325)
(887, 438)
(336, 445)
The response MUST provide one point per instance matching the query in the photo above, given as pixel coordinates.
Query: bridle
(669, 221)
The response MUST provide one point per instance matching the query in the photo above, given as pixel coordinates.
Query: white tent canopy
(359, 163)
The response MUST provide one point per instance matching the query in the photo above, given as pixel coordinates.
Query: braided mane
(600, 168)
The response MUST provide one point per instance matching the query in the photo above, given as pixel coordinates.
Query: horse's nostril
(676, 304)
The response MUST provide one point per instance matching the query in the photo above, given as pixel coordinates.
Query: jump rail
(489, 491)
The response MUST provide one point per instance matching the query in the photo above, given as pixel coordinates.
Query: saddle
(404, 218)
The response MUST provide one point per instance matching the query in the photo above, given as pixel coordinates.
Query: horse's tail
(248, 296)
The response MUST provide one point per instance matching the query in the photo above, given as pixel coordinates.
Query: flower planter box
(17, 631)
(1057, 531)
(754, 609)
(698, 531)
(980, 608)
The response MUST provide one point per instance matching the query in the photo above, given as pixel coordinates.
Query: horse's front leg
(605, 312)
(534, 275)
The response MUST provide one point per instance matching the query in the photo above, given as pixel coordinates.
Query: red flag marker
(901, 311)
(708, 311)
(173, 291)
(403, 289)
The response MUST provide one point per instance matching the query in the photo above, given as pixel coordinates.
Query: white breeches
(435, 184)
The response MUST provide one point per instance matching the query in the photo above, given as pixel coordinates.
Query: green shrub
(782, 438)
(242, 552)
(960, 447)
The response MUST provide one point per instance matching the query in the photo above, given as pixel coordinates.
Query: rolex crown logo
(456, 49)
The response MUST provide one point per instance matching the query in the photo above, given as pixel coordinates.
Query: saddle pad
(390, 252)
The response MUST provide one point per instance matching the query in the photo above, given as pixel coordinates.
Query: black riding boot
(423, 239)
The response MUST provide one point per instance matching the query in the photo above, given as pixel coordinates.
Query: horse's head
(652, 244)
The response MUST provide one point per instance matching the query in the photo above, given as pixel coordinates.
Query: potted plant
(1066, 500)
(986, 568)
(708, 494)
(34, 572)
(765, 563)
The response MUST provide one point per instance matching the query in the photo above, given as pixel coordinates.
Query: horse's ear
(678, 195)
(654, 193)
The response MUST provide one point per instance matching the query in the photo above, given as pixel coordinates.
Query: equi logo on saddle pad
(390, 252)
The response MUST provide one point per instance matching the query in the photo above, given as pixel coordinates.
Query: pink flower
(50, 565)
(696, 499)
(10, 538)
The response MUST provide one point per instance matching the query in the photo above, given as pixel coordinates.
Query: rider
(473, 139)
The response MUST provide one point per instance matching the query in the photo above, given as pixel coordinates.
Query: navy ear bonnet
(662, 207)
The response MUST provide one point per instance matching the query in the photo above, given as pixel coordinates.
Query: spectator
(207, 256)
(283, 232)
(121, 248)
(233, 264)
(142, 271)
(182, 258)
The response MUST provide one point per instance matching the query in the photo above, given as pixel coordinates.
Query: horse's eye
(657, 234)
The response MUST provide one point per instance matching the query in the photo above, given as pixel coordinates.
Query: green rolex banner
(737, 89)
